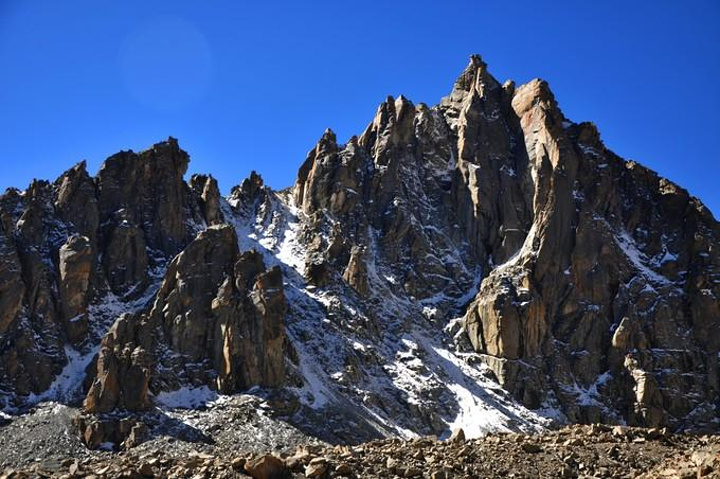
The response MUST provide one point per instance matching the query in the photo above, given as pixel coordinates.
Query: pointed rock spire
(474, 71)
(207, 192)
(326, 147)
(472, 84)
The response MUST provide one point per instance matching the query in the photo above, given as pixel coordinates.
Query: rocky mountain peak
(472, 76)
(472, 85)
(484, 263)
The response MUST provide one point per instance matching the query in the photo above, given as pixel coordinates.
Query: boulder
(266, 467)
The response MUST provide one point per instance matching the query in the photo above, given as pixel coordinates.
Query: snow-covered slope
(388, 359)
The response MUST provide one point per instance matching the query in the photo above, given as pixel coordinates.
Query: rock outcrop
(123, 369)
(222, 309)
(65, 246)
(12, 288)
(599, 289)
(148, 190)
(207, 191)
(75, 265)
(596, 304)
(217, 320)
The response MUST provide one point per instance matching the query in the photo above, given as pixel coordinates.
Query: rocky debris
(239, 427)
(574, 452)
(111, 432)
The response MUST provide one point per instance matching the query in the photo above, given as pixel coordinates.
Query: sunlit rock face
(484, 263)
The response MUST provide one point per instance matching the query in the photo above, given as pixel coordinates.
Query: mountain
(484, 264)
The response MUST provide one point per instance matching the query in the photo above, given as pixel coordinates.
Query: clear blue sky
(253, 85)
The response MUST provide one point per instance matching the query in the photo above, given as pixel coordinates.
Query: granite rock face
(216, 320)
(123, 369)
(407, 274)
(600, 291)
(206, 189)
(148, 190)
(82, 244)
(224, 310)
(601, 296)
(75, 265)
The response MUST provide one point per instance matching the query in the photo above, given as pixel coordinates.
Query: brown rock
(149, 186)
(208, 194)
(266, 467)
(316, 468)
(356, 271)
(119, 432)
(125, 259)
(146, 470)
(530, 447)
(343, 469)
(76, 259)
(76, 201)
(123, 370)
(457, 436)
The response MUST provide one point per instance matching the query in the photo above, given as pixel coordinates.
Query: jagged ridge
(595, 282)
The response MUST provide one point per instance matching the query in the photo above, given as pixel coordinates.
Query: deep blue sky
(253, 85)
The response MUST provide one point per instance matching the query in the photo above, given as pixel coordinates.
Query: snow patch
(187, 397)
(68, 383)
(638, 258)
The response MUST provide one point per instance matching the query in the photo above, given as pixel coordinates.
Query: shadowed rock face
(148, 211)
(223, 309)
(585, 283)
(206, 189)
(12, 288)
(149, 191)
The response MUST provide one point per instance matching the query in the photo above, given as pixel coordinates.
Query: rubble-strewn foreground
(575, 451)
